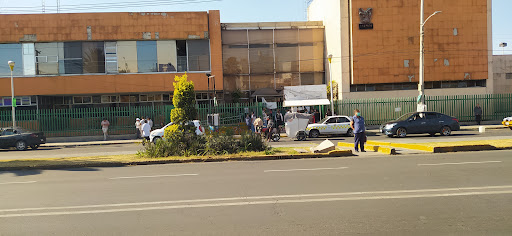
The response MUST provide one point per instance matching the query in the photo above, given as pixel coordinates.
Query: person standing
(137, 128)
(478, 114)
(253, 118)
(104, 127)
(279, 118)
(357, 125)
(150, 122)
(248, 121)
(329, 113)
(142, 122)
(146, 130)
(317, 116)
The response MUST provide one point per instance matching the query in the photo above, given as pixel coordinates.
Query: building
(375, 46)
(502, 68)
(107, 59)
(259, 58)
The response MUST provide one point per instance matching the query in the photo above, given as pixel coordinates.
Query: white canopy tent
(307, 95)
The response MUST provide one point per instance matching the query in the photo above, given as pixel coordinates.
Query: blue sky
(245, 11)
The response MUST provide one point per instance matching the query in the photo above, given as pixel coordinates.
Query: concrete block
(324, 147)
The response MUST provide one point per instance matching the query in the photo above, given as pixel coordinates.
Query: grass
(133, 159)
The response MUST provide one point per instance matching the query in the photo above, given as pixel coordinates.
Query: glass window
(234, 82)
(235, 60)
(166, 53)
(287, 79)
(234, 37)
(311, 35)
(47, 59)
(29, 59)
(127, 56)
(11, 52)
(146, 56)
(312, 57)
(261, 57)
(198, 55)
(286, 36)
(287, 57)
(70, 58)
(94, 57)
(111, 57)
(262, 81)
(181, 51)
(261, 36)
(311, 78)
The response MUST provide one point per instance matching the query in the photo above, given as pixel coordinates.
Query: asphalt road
(121, 149)
(442, 194)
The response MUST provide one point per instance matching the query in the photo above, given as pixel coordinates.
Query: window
(150, 97)
(11, 52)
(198, 55)
(508, 76)
(47, 59)
(311, 57)
(70, 58)
(93, 54)
(82, 99)
(29, 62)
(287, 57)
(127, 56)
(181, 51)
(146, 56)
(20, 101)
(332, 121)
(111, 57)
(236, 59)
(343, 120)
(261, 57)
(166, 52)
(109, 98)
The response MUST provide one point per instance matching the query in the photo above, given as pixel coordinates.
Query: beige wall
(414, 93)
(502, 66)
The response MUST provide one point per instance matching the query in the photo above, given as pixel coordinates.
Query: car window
(431, 116)
(9, 132)
(332, 121)
(343, 120)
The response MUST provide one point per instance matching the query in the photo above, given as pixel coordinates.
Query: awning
(309, 102)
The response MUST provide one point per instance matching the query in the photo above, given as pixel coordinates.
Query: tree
(184, 100)
(334, 90)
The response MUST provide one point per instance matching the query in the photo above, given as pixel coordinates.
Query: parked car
(338, 125)
(507, 122)
(157, 134)
(420, 123)
(20, 139)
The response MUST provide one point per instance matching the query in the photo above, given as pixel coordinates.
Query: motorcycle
(275, 136)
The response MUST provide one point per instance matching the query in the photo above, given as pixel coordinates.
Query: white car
(337, 125)
(159, 133)
(507, 122)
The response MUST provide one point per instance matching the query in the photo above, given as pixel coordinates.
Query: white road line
(482, 188)
(460, 163)
(27, 182)
(152, 176)
(247, 203)
(289, 170)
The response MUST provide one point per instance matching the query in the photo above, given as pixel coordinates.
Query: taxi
(507, 122)
(331, 125)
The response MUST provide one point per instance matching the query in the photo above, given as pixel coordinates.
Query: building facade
(375, 46)
(502, 69)
(107, 59)
(271, 55)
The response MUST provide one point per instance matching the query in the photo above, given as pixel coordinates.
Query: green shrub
(251, 141)
(218, 144)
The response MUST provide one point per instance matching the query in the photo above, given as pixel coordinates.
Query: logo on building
(366, 18)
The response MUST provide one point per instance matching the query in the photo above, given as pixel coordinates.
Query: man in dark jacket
(478, 114)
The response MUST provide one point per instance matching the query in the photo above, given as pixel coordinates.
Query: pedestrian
(478, 114)
(270, 128)
(329, 113)
(137, 128)
(150, 122)
(104, 127)
(317, 116)
(265, 116)
(253, 118)
(279, 118)
(146, 130)
(357, 125)
(248, 121)
(142, 122)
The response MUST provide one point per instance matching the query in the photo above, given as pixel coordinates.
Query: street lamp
(503, 46)
(13, 102)
(421, 85)
(331, 85)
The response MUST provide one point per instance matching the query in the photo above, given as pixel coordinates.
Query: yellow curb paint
(379, 149)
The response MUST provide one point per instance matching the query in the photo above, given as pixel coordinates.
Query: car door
(330, 126)
(9, 138)
(342, 125)
(417, 124)
(435, 123)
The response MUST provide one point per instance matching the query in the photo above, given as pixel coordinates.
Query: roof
(309, 102)
(273, 25)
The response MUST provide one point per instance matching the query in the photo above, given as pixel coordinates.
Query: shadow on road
(20, 173)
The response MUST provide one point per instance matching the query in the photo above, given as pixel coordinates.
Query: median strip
(459, 146)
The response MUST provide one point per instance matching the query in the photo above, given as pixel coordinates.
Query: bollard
(481, 129)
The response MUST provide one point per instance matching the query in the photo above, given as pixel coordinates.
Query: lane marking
(264, 197)
(256, 203)
(26, 182)
(314, 169)
(460, 163)
(152, 176)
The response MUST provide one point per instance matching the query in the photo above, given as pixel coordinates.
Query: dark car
(20, 139)
(421, 123)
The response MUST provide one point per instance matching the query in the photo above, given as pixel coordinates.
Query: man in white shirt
(146, 130)
(150, 122)
(137, 128)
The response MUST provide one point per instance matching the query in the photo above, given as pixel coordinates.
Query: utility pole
(13, 100)
(58, 6)
(421, 85)
(43, 5)
(332, 84)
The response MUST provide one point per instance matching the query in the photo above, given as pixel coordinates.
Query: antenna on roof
(43, 6)
(58, 6)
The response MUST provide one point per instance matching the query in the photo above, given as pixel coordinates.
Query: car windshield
(323, 120)
(405, 117)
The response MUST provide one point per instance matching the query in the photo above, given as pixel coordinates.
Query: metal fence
(378, 111)
(86, 121)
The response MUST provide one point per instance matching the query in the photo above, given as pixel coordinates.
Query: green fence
(378, 111)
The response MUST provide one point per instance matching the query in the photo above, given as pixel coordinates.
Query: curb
(442, 149)
(384, 149)
(89, 144)
(332, 154)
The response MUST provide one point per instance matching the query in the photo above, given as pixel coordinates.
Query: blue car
(421, 123)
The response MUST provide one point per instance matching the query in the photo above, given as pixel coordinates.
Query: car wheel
(314, 133)
(155, 139)
(34, 147)
(446, 131)
(301, 136)
(21, 145)
(276, 137)
(350, 133)
(432, 134)
(401, 132)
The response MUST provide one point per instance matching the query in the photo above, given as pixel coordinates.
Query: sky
(235, 11)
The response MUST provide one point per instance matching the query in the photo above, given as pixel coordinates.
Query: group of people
(143, 127)
(271, 119)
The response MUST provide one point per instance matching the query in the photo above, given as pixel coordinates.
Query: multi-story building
(375, 46)
(107, 59)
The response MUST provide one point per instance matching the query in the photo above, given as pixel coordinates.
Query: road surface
(442, 194)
